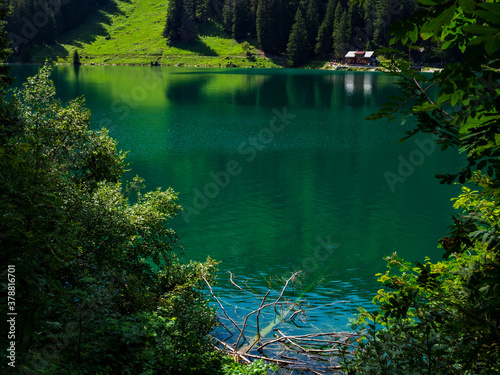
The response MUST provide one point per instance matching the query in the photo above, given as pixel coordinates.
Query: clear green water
(317, 177)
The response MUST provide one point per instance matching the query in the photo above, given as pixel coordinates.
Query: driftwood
(314, 353)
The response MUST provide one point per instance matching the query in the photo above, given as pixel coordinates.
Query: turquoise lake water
(277, 171)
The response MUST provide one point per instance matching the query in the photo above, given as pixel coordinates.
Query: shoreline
(324, 66)
(312, 65)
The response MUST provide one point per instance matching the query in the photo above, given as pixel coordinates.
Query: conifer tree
(48, 32)
(74, 13)
(227, 15)
(341, 32)
(289, 12)
(324, 41)
(188, 26)
(380, 24)
(253, 8)
(271, 26)
(242, 19)
(298, 45)
(313, 18)
(173, 26)
(369, 15)
(204, 9)
(76, 58)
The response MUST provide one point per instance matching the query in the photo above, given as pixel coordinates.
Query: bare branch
(220, 304)
(313, 352)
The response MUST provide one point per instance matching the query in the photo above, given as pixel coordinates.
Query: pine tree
(242, 19)
(270, 26)
(369, 15)
(253, 9)
(173, 26)
(76, 58)
(359, 38)
(298, 44)
(341, 32)
(188, 28)
(262, 24)
(313, 18)
(324, 41)
(48, 32)
(380, 24)
(290, 11)
(74, 13)
(204, 10)
(227, 15)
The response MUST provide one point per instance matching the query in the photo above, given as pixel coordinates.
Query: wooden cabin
(361, 58)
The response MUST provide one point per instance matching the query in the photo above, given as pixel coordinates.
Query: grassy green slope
(130, 32)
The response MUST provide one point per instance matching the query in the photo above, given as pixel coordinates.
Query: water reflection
(322, 176)
(273, 90)
(367, 85)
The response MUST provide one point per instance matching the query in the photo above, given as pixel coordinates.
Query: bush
(99, 285)
(438, 318)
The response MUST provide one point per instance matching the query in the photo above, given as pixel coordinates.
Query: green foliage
(98, 280)
(466, 113)
(313, 21)
(38, 22)
(134, 32)
(297, 49)
(255, 368)
(324, 41)
(227, 15)
(245, 46)
(442, 317)
(438, 318)
(174, 23)
(242, 21)
(76, 58)
(271, 26)
(381, 13)
(341, 32)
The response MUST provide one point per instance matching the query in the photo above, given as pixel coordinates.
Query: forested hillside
(38, 22)
(304, 28)
(289, 32)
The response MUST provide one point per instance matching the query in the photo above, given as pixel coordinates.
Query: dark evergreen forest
(38, 22)
(300, 29)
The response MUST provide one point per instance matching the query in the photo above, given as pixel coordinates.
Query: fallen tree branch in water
(314, 353)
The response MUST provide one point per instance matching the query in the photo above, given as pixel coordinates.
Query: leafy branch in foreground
(98, 277)
(443, 317)
(460, 104)
(437, 318)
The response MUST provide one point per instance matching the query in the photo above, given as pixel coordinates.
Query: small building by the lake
(361, 58)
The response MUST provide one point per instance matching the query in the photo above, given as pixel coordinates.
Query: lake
(277, 171)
